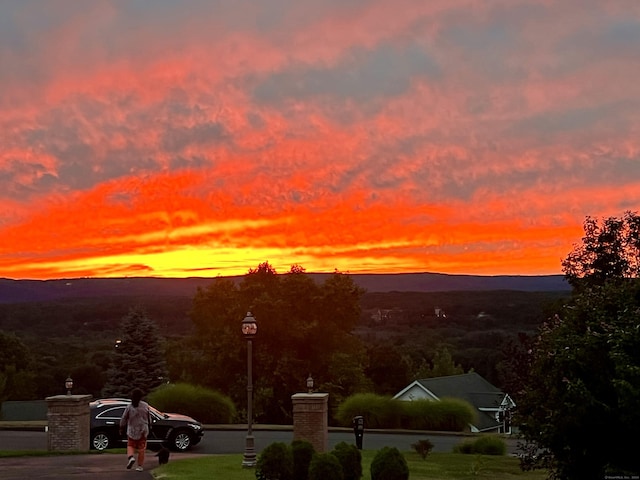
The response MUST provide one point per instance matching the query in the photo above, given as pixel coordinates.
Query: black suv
(177, 432)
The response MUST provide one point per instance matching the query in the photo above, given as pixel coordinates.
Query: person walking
(136, 420)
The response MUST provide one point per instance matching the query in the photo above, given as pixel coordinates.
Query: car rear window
(112, 413)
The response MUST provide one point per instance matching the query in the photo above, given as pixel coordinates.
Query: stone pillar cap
(68, 398)
(310, 395)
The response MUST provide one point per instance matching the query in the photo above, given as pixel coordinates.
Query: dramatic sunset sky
(203, 137)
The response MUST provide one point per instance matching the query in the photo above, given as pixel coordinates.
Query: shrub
(389, 464)
(448, 414)
(490, 445)
(378, 411)
(302, 452)
(325, 466)
(275, 463)
(203, 404)
(423, 447)
(350, 459)
(485, 445)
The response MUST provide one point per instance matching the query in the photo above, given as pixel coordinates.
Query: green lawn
(437, 466)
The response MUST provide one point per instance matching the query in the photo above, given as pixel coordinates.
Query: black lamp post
(68, 384)
(249, 329)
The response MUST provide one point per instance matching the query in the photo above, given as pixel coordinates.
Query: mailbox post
(358, 430)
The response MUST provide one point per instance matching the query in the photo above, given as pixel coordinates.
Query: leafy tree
(610, 250)
(443, 365)
(303, 327)
(387, 368)
(138, 360)
(584, 382)
(16, 378)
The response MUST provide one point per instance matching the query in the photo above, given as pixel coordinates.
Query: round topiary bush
(389, 464)
(203, 404)
(325, 466)
(275, 463)
(350, 459)
(302, 452)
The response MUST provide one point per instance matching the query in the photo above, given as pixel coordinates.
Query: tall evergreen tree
(138, 360)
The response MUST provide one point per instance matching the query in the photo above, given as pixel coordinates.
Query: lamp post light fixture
(249, 330)
(310, 384)
(68, 384)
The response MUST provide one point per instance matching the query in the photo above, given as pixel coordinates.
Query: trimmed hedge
(378, 411)
(449, 414)
(203, 404)
(484, 445)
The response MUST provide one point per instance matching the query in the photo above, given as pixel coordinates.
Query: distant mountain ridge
(18, 291)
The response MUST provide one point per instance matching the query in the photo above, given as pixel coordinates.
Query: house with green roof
(491, 404)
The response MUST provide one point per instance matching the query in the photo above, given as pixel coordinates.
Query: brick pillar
(310, 419)
(69, 423)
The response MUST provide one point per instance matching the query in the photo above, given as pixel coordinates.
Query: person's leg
(130, 452)
(142, 445)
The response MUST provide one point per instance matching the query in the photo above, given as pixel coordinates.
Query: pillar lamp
(68, 384)
(249, 330)
(310, 384)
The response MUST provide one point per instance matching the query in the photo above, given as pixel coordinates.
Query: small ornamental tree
(138, 360)
(423, 447)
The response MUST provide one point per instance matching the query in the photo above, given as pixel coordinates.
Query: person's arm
(124, 420)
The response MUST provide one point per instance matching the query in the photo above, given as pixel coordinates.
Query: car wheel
(100, 441)
(181, 440)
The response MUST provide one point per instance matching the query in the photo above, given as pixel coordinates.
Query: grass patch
(438, 466)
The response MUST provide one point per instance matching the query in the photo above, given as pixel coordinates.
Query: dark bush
(485, 445)
(389, 464)
(203, 404)
(351, 460)
(325, 466)
(302, 452)
(423, 447)
(275, 463)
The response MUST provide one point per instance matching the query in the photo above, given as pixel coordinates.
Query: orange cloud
(463, 137)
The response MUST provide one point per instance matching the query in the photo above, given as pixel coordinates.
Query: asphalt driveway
(95, 466)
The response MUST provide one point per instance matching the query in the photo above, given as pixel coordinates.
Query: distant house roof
(471, 387)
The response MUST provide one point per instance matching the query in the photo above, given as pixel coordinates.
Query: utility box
(69, 423)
